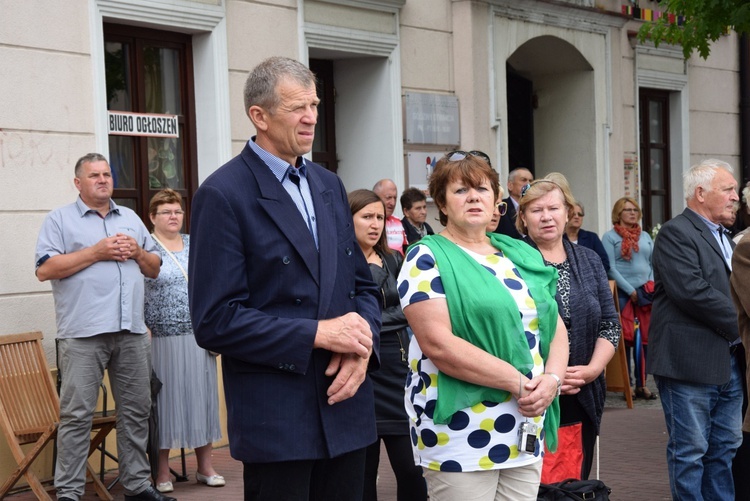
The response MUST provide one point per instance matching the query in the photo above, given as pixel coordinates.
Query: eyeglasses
(579, 214)
(630, 210)
(170, 213)
(502, 207)
(457, 155)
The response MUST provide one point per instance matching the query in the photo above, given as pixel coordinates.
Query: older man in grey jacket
(694, 342)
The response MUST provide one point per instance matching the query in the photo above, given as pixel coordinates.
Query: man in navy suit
(280, 288)
(694, 346)
(517, 179)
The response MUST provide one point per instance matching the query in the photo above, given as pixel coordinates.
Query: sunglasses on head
(457, 155)
(526, 188)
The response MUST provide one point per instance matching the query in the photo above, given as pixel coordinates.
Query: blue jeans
(704, 423)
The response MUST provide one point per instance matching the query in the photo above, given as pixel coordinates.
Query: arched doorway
(551, 121)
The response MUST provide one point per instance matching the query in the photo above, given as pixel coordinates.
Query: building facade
(549, 85)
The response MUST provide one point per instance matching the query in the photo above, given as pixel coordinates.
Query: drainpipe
(745, 107)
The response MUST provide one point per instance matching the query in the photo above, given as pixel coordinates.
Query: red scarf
(630, 237)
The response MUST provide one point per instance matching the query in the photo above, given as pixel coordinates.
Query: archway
(551, 112)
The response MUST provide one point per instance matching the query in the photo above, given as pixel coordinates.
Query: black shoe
(65, 499)
(149, 494)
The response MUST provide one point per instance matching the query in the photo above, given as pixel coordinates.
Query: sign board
(123, 123)
(420, 165)
(431, 119)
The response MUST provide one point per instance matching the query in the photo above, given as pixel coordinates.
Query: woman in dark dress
(368, 213)
(587, 309)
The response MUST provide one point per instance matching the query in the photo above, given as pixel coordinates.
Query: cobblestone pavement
(631, 455)
(632, 449)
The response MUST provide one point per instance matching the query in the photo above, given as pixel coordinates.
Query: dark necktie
(294, 177)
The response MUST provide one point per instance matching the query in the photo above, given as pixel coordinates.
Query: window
(655, 154)
(149, 71)
(324, 144)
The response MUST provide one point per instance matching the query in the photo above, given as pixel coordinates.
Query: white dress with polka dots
(485, 436)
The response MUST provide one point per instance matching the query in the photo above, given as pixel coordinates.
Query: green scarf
(483, 312)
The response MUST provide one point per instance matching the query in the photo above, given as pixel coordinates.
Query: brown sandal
(644, 393)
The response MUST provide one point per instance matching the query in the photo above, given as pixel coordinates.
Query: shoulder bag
(574, 490)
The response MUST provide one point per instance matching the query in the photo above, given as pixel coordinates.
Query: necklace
(467, 243)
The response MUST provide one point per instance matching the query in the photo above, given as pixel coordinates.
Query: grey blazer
(693, 319)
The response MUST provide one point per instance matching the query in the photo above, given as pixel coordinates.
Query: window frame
(645, 97)
(139, 38)
(323, 69)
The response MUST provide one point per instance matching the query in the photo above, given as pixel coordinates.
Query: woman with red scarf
(629, 250)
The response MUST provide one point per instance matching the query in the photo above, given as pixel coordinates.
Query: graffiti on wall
(22, 150)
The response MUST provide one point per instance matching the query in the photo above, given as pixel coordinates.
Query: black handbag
(574, 490)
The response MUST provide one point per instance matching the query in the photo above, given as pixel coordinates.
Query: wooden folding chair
(616, 372)
(30, 410)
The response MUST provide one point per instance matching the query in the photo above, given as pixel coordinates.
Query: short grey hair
(87, 159)
(380, 185)
(260, 86)
(701, 175)
(513, 173)
(746, 193)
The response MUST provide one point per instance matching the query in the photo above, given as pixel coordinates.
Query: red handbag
(567, 462)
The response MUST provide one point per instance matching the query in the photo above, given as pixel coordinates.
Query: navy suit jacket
(507, 225)
(693, 318)
(258, 287)
(591, 240)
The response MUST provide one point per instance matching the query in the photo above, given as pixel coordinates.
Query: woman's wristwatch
(559, 383)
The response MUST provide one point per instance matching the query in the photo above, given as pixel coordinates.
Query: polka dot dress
(485, 436)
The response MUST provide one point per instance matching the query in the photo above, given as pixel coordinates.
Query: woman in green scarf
(489, 349)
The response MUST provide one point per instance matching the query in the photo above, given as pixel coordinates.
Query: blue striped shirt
(301, 196)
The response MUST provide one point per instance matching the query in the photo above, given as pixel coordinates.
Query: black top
(412, 234)
(388, 381)
(585, 299)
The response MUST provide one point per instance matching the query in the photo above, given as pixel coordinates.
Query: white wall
(45, 126)
(364, 124)
(564, 130)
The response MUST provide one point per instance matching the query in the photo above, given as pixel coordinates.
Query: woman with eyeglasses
(588, 313)
(188, 403)
(368, 214)
(629, 250)
(500, 209)
(489, 350)
(577, 235)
